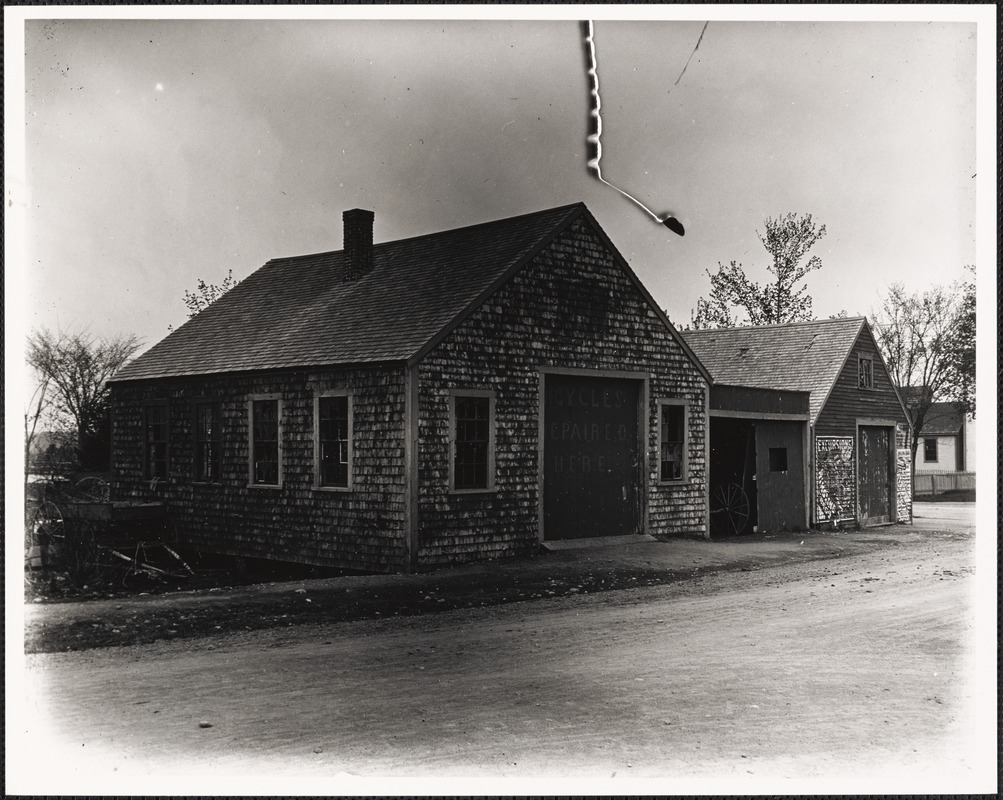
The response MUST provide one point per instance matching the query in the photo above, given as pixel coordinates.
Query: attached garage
(758, 468)
(855, 429)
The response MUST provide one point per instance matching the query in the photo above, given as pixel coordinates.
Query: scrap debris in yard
(76, 537)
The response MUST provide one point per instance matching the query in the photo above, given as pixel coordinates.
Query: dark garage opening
(733, 500)
(757, 480)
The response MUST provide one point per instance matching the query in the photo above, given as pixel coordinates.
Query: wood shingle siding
(362, 529)
(572, 307)
(482, 313)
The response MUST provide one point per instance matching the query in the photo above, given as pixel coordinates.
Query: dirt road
(853, 668)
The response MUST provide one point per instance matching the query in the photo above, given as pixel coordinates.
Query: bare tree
(917, 334)
(785, 298)
(76, 368)
(961, 381)
(38, 406)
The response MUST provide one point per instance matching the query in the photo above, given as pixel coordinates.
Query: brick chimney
(358, 225)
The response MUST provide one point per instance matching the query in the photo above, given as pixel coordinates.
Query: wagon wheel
(729, 507)
(45, 525)
(93, 490)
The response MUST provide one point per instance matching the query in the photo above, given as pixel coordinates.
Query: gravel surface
(120, 620)
(844, 664)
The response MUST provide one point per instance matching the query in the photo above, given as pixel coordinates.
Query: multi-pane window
(155, 440)
(472, 442)
(930, 450)
(865, 372)
(207, 442)
(334, 441)
(265, 442)
(672, 442)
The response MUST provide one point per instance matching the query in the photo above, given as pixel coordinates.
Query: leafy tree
(918, 337)
(76, 367)
(205, 295)
(785, 298)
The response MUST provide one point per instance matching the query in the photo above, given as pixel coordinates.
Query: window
(473, 441)
(671, 441)
(207, 445)
(778, 459)
(865, 372)
(265, 443)
(155, 440)
(930, 450)
(333, 441)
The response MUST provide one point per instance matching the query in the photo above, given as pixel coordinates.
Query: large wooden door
(780, 481)
(874, 476)
(592, 457)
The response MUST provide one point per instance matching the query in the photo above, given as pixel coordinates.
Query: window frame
(251, 400)
(936, 450)
(869, 359)
(454, 395)
(771, 460)
(165, 406)
(318, 396)
(216, 441)
(675, 403)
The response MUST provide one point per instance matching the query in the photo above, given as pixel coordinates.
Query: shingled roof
(943, 419)
(798, 356)
(299, 311)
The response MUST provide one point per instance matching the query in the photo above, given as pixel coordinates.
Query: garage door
(875, 474)
(591, 457)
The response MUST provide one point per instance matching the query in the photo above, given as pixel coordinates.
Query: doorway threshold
(597, 541)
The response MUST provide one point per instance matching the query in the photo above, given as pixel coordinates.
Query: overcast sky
(154, 152)
(159, 152)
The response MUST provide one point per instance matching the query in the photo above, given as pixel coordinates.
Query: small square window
(930, 450)
(778, 459)
(865, 372)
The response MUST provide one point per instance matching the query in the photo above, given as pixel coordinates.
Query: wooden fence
(940, 482)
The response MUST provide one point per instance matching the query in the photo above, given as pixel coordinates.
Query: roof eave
(228, 373)
(842, 366)
(884, 366)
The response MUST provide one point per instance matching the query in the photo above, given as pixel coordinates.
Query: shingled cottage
(461, 395)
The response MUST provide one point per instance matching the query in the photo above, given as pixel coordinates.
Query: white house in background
(947, 441)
